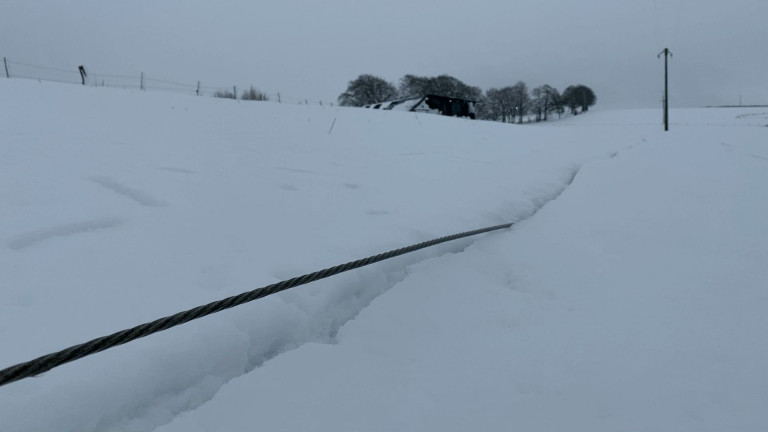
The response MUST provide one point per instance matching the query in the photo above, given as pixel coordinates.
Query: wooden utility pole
(5, 61)
(666, 54)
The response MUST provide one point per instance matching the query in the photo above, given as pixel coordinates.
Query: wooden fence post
(81, 68)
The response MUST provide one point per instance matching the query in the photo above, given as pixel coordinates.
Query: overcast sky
(312, 49)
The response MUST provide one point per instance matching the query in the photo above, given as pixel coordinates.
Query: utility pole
(5, 61)
(667, 54)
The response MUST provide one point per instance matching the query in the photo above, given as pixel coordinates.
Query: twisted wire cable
(47, 362)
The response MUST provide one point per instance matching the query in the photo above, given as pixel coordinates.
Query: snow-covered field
(632, 295)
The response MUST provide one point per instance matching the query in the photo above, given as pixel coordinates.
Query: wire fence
(142, 81)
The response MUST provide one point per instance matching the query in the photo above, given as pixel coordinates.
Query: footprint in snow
(23, 241)
(132, 194)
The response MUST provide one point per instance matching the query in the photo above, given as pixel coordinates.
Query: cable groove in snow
(53, 360)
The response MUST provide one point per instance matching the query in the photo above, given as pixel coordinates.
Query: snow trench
(131, 387)
(311, 314)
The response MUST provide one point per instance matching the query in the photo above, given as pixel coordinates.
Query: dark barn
(435, 104)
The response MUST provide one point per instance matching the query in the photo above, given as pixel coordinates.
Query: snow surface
(632, 295)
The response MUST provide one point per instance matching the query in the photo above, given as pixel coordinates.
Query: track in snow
(302, 323)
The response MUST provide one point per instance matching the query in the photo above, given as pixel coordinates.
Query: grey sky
(311, 49)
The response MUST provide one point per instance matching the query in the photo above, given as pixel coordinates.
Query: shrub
(226, 94)
(254, 95)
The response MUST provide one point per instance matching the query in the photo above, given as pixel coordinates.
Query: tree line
(508, 104)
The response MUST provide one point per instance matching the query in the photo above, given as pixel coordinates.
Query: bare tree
(443, 85)
(493, 108)
(545, 100)
(501, 105)
(412, 85)
(367, 89)
(579, 96)
(520, 99)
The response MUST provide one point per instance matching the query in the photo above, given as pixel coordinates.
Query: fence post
(5, 61)
(81, 68)
(141, 85)
(197, 92)
(234, 90)
(278, 97)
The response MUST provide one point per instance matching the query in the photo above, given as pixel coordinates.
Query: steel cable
(47, 362)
